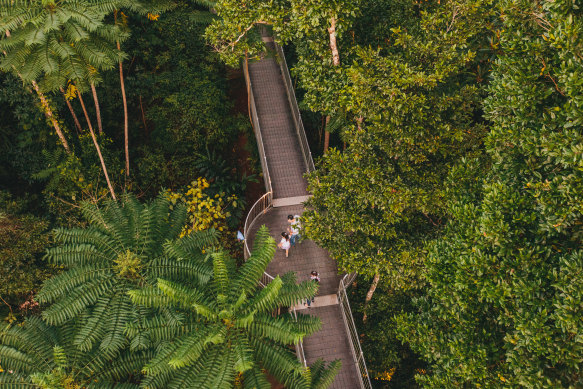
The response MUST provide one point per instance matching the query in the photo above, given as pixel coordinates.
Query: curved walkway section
(286, 167)
(284, 159)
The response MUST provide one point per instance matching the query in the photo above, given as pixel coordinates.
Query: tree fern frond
(255, 379)
(158, 328)
(14, 359)
(265, 300)
(243, 353)
(64, 283)
(191, 346)
(111, 385)
(253, 269)
(282, 329)
(191, 245)
(128, 364)
(15, 381)
(76, 301)
(217, 371)
(280, 362)
(322, 376)
(114, 339)
(176, 221)
(221, 274)
(150, 296)
(307, 324)
(160, 363)
(292, 293)
(78, 254)
(187, 270)
(94, 328)
(161, 380)
(188, 298)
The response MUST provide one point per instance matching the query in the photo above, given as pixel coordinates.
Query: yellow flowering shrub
(204, 211)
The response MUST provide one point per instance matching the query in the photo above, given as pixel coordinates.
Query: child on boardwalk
(315, 277)
(284, 243)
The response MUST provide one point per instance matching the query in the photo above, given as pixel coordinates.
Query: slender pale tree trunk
(125, 116)
(47, 110)
(49, 114)
(97, 110)
(371, 290)
(333, 44)
(125, 109)
(335, 62)
(326, 135)
(97, 148)
(75, 119)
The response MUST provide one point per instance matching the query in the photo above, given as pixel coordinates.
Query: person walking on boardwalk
(294, 228)
(284, 243)
(315, 277)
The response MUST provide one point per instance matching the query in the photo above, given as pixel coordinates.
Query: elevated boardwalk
(282, 147)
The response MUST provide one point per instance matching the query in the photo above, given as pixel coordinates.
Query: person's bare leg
(286, 252)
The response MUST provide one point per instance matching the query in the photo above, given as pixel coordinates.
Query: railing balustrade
(260, 207)
(291, 96)
(257, 130)
(354, 341)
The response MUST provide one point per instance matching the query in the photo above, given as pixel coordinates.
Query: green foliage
(37, 355)
(390, 362)
(378, 202)
(233, 331)
(23, 239)
(182, 88)
(123, 246)
(23, 133)
(503, 306)
(70, 179)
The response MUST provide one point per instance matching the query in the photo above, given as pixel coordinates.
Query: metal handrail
(257, 129)
(260, 207)
(266, 201)
(291, 96)
(357, 353)
(300, 345)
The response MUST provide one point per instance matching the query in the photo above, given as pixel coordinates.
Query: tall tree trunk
(125, 108)
(326, 135)
(125, 116)
(335, 62)
(75, 119)
(97, 148)
(97, 110)
(371, 291)
(47, 110)
(49, 114)
(333, 44)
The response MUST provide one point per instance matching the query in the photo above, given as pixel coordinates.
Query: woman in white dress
(285, 243)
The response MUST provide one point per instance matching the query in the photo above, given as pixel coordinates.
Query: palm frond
(253, 269)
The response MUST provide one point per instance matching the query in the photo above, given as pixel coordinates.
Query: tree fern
(36, 355)
(233, 332)
(54, 42)
(123, 247)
